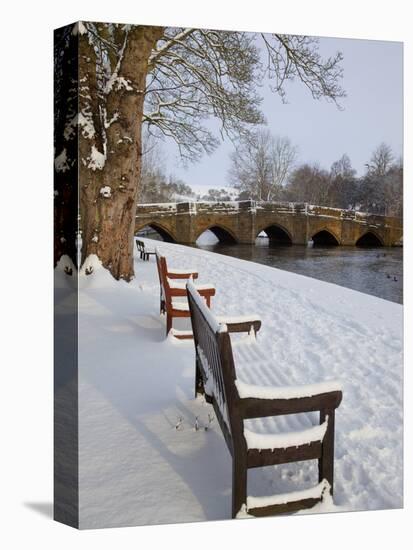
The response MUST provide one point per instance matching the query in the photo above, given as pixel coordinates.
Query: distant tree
(381, 160)
(260, 165)
(309, 183)
(156, 186)
(344, 187)
(153, 176)
(371, 196)
(393, 190)
(372, 186)
(216, 195)
(178, 190)
(342, 168)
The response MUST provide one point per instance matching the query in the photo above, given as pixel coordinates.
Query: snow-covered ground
(135, 386)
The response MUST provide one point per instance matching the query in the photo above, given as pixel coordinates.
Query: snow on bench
(313, 494)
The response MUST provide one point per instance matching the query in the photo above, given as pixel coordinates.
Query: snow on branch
(114, 78)
(200, 74)
(197, 74)
(168, 43)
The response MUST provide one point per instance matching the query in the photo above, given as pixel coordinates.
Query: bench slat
(257, 459)
(288, 508)
(287, 502)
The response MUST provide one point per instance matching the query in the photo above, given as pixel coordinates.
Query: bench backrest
(163, 277)
(140, 245)
(214, 356)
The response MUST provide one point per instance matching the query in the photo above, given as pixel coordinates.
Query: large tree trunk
(111, 150)
(65, 144)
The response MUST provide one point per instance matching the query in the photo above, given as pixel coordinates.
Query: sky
(372, 113)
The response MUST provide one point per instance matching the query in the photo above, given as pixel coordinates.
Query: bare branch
(291, 56)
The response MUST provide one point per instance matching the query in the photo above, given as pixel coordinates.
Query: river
(376, 271)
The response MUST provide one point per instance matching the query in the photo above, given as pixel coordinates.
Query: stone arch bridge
(284, 223)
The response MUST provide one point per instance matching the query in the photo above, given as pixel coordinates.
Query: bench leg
(162, 306)
(326, 461)
(239, 484)
(199, 383)
(168, 323)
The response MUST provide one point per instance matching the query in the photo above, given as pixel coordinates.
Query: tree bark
(65, 144)
(111, 153)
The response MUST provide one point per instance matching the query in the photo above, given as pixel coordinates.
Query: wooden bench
(144, 252)
(170, 290)
(234, 402)
(180, 274)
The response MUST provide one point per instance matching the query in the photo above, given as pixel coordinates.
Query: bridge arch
(222, 233)
(325, 237)
(370, 239)
(277, 234)
(162, 231)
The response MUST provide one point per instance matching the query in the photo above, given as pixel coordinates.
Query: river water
(376, 271)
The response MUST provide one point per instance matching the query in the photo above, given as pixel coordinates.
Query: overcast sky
(373, 113)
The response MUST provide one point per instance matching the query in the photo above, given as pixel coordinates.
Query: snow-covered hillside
(141, 459)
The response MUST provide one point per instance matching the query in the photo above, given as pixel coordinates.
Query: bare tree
(372, 192)
(381, 160)
(156, 185)
(342, 168)
(309, 183)
(216, 195)
(343, 191)
(170, 79)
(260, 165)
(393, 190)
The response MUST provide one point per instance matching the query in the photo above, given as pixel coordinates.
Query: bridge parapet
(324, 211)
(228, 207)
(348, 215)
(186, 208)
(378, 220)
(280, 207)
(157, 208)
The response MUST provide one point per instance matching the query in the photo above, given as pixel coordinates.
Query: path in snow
(136, 468)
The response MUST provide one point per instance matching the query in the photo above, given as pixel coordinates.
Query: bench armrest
(181, 274)
(182, 285)
(178, 291)
(240, 324)
(256, 401)
(210, 291)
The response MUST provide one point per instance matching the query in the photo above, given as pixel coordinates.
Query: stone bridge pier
(284, 223)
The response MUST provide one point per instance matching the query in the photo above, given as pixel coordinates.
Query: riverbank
(135, 386)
